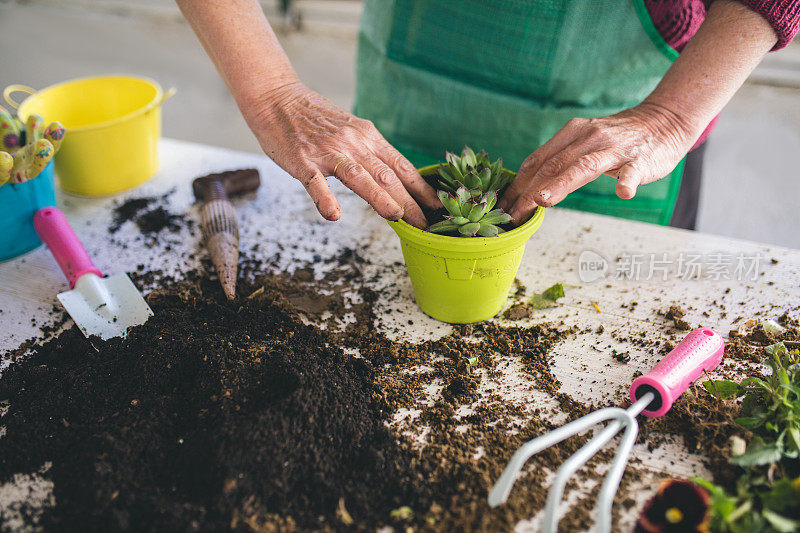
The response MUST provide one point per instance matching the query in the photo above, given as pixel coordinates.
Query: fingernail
(544, 195)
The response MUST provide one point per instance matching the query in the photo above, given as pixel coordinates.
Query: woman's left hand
(636, 146)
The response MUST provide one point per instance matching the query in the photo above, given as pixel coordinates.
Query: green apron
(505, 76)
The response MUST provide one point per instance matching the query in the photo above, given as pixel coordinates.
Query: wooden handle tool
(219, 222)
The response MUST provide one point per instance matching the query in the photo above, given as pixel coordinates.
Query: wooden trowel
(100, 306)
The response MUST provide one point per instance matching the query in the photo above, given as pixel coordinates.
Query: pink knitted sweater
(678, 20)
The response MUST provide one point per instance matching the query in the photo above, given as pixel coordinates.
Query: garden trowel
(100, 306)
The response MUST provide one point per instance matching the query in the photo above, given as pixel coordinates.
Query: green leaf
(772, 348)
(497, 170)
(793, 436)
(443, 227)
(402, 514)
(453, 159)
(758, 453)
(722, 504)
(485, 176)
(555, 292)
(505, 179)
(752, 406)
(749, 422)
(754, 381)
(459, 220)
(468, 157)
(469, 229)
(477, 212)
(488, 230)
(547, 298)
(463, 194)
(454, 207)
(782, 375)
(722, 388)
(781, 523)
(495, 176)
(740, 511)
(780, 496)
(502, 218)
(455, 173)
(448, 175)
(472, 181)
(490, 198)
(710, 487)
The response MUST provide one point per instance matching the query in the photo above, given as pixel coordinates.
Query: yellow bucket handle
(169, 93)
(16, 88)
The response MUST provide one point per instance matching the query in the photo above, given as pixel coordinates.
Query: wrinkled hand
(310, 138)
(636, 146)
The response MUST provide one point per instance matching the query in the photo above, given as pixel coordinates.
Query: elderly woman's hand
(310, 138)
(636, 146)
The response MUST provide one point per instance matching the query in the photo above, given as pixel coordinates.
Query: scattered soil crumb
(676, 314)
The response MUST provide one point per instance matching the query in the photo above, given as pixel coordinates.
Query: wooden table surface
(630, 270)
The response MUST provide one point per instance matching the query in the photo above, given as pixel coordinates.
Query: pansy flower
(677, 506)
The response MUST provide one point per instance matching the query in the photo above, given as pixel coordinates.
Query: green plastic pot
(463, 280)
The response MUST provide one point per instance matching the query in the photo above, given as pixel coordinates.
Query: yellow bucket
(113, 125)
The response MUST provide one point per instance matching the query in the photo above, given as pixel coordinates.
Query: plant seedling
(468, 189)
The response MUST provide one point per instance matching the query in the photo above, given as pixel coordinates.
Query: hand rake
(651, 395)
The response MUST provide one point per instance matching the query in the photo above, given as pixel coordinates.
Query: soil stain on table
(271, 413)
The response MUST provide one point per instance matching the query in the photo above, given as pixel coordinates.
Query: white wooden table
(282, 218)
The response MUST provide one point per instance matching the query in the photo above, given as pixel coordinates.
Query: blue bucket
(18, 203)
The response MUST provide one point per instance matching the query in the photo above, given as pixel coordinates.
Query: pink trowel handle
(701, 350)
(57, 234)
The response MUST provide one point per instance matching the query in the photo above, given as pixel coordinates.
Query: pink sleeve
(678, 20)
(783, 16)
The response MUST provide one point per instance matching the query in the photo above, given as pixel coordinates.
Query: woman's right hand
(310, 138)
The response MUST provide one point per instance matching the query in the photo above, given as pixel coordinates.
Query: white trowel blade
(105, 307)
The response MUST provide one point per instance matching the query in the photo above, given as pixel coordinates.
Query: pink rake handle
(57, 234)
(701, 350)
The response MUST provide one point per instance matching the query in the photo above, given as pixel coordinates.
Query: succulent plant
(470, 214)
(469, 187)
(472, 171)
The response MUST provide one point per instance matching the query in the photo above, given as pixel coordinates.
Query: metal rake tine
(652, 394)
(502, 488)
(605, 499)
(619, 418)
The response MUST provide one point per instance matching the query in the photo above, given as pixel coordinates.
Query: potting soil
(272, 413)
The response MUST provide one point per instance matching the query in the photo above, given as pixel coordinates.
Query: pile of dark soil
(149, 214)
(207, 417)
(217, 416)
